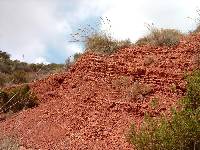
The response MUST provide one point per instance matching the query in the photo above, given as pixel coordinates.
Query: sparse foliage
(76, 56)
(17, 99)
(103, 43)
(137, 91)
(4, 56)
(3, 79)
(154, 103)
(14, 71)
(148, 61)
(133, 91)
(192, 100)
(19, 77)
(161, 37)
(100, 41)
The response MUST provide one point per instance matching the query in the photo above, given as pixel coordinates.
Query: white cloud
(128, 17)
(41, 60)
(41, 28)
(27, 27)
(34, 28)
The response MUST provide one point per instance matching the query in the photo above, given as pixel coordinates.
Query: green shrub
(20, 66)
(143, 41)
(77, 56)
(17, 99)
(192, 100)
(161, 37)
(181, 131)
(3, 79)
(4, 56)
(35, 67)
(103, 43)
(19, 77)
(18, 72)
(5, 67)
(100, 41)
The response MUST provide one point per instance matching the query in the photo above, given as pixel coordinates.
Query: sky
(38, 31)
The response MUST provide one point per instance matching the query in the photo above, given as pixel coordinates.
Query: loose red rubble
(80, 108)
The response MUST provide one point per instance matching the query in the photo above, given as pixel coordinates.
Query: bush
(192, 100)
(103, 43)
(4, 56)
(3, 79)
(77, 56)
(18, 72)
(20, 66)
(5, 67)
(17, 99)
(100, 41)
(19, 77)
(161, 37)
(138, 91)
(181, 131)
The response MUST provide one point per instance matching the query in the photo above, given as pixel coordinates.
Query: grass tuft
(161, 37)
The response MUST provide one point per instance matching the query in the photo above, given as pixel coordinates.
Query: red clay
(82, 109)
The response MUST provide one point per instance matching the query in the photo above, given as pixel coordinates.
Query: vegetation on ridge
(99, 41)
(15, 72)
(161, 37)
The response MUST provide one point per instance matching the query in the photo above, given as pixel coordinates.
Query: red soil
(83, 109)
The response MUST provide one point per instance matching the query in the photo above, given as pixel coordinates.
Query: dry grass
(9, 143)
(137, 91)
(99, 41)
(148, 61)
(103, 43)
(161, 37)
(131, 90)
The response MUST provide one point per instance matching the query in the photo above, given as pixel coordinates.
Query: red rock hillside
(92, 105)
